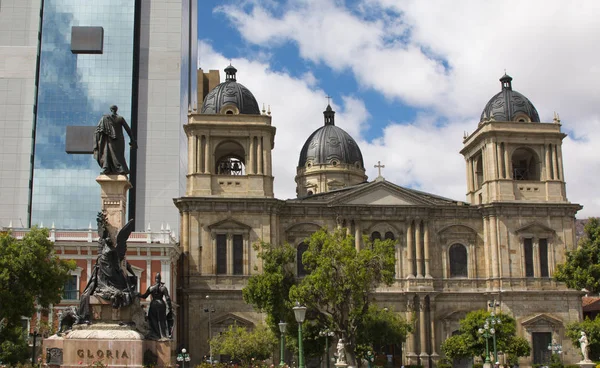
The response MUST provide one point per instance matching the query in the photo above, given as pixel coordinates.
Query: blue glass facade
(77, 89)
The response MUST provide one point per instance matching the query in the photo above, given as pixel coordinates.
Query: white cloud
(443, 57)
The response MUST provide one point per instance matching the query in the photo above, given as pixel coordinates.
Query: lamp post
(327, 335)
(210, 310)
(282, 329)
(183, 357)
(35, 335)
(486, 331)
(555, 348)
(300, 314)
(495, 322)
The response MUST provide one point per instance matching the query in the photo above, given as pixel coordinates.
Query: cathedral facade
(498, 249)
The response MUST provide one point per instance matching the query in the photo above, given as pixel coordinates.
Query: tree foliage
(592, 330)
(380, 327)
(337, 290)
(469, 342)
(30, 275)
(245, 345)
(582, 267)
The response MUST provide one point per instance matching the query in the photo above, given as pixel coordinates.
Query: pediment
(229, 224)
(541, 320)
(231, 319)
(382, 194)
(535, 228)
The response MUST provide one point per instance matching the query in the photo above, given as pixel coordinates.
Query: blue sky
(409, 78)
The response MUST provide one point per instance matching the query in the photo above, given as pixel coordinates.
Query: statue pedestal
(114, 200)
(115, 338)
(586, 364)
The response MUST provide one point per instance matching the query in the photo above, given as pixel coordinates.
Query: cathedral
(497, 250)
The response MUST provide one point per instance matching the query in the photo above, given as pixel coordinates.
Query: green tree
(245, 345)
(30, 275)
(469, 342)
(592, 330)
(582, 267)
(380, 327)
(337, 291)
(341, 282)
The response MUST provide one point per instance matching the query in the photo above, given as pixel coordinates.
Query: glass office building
(65, 62)
(76, 89)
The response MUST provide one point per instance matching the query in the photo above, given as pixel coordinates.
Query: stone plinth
(112, 345)
(586, 364)
(114, 200)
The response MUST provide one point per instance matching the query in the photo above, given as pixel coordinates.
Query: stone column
(113, 194)
(357, 235)
(259, 155)
(192, 153)
(555, 162)
(561, 173)
(419, 246)
(409, 249)
(548, 162)
(207, 169)
(411, 356)
(469, 175)
(495, 149)
(426, 241)
(494, 246)
(506, 164)
(434, 356)
(251, 157)
(535, 249)
(229, 254)
(423, 332)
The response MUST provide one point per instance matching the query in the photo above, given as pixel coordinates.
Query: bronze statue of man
(109, 143)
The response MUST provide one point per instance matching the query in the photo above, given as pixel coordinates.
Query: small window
(310, 192)
(71, 289)
(375, 235)
(544, 258)
(528, 252)
(238, 254)
(389, 235)
(229, 112)
(221, 254)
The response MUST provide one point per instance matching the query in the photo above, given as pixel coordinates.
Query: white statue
(583, 343)
(341, 352)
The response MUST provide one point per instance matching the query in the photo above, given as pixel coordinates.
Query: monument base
(115, 338)
(110, 345)
(586, 364)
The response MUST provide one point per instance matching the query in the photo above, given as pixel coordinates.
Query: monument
(110, 326)
(586, 362)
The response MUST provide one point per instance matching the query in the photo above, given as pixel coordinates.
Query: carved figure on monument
(583, 344)
(341, 352)
(108, 279)
(67, 318)
(160, 320)
(109, 143)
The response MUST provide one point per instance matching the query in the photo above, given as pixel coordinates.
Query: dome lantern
(329, 115)
(230, 73)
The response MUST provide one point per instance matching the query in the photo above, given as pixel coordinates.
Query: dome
(230, 94)
(330, 145)
(509, 105)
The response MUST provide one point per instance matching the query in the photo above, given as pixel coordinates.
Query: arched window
(458, 261)
(525, 165)
(389, 235)
(229, 159)
(375, 235)
(302, 247)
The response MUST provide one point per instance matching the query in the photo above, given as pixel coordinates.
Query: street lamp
(183, 357)
(327, 334)
(210, 310)
(487, 332)
(282, 329)
(300, 314)
(555, 348)
(495, 322)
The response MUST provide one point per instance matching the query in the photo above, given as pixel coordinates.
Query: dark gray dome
(330, 145)
(230, 92)
(509, 105)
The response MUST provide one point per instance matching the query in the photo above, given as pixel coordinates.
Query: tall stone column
(419, 246)
(357, 235)
(411, 356)
(424, 357)
(409, 249)
(426, 245)
(434, 355)
(113, 193)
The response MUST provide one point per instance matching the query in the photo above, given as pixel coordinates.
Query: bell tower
(229, 144)
(512, 156)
